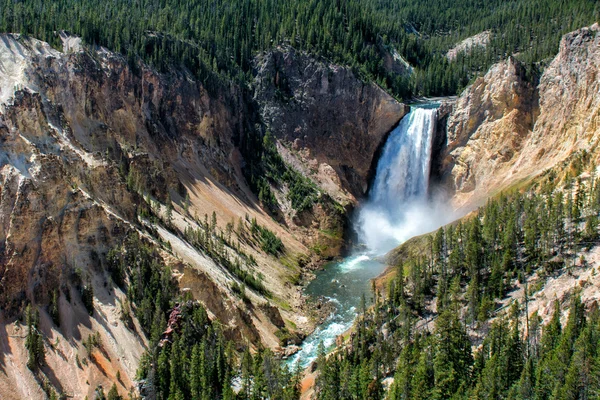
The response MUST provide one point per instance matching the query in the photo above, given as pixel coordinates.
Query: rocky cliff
(330, 121)
(486, 130)
(88, 144)
(93, 150)
(507, 126)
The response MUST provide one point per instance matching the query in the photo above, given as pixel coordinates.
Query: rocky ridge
(481, 40)
(89, 144)
(330, 122)
(508, 127)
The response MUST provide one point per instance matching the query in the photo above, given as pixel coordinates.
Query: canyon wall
(93, 149)
(331, 122)
(509, 126)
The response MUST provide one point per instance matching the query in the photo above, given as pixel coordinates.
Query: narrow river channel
(397, 209)
(343, 283)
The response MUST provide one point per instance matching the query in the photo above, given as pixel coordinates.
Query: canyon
(88, 141)
(90, 144)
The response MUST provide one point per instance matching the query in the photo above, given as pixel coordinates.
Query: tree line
(424, 332)
(217, 39)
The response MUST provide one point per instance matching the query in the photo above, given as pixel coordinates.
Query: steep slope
(329, 121)
(486, 130)
(506, 291)
(95, 151)
(89, 149)
(504, 128)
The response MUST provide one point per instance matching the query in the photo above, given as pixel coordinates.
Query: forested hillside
(188, 355)
(443, 331)
(108, 164)
(217, 39)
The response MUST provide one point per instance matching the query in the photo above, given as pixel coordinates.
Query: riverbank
(340, 284)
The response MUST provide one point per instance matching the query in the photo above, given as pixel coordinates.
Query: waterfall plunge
(398, 206)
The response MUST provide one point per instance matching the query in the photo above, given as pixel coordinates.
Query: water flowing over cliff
(398, 208)
(398, 198)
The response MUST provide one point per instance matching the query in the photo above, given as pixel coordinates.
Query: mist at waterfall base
(399, 207)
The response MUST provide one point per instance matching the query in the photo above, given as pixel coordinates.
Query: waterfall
(397, 206)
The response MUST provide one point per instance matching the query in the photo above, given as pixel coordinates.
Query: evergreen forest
(217, 39)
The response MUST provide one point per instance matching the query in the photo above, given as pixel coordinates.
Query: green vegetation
(465, 270)
(113, 393)
(34, 341)
(468, 268)
(193, 363)
(216, 40)
(424, 31)
(269, 242)
(83, 284)
(192, 359)
(53, 308)
(266, 166)
(87, 296)
(262, 377)
(148, 283)
(219, 246)
(93, 341)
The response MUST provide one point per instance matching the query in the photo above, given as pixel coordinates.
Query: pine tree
(34, 342)
(452, 358)
(169, 210)
(113, 393)
(87, 296)
(422, 379)
(53, 308)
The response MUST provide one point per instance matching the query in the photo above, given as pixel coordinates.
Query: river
(398, 208)
(342, 283)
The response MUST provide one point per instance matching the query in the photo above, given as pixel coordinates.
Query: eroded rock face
(75, 126)
(487, 127)
(331, 121)
(85, 142)
(504, 128)
(569, 91)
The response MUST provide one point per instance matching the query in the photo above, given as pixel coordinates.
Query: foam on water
(399, 207)
(327, 336)
(352, 263)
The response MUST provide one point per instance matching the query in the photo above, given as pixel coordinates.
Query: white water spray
(398, 206)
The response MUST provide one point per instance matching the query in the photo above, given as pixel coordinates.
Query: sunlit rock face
(487, 128)
(332, 121)
(73, 125)
(508, 126)
(82, 137)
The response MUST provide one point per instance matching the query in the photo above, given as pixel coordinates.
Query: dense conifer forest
(217, 39)
(424, 332)
(468, 267)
